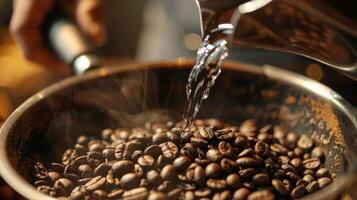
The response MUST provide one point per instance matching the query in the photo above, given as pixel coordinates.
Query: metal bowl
(49, 121)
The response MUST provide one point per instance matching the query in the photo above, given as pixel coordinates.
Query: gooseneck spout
(313, 29)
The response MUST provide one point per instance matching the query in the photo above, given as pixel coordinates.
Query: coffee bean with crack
(129, 181)
(95, 183)
(169, 150)
(146, 162)
(181, 163)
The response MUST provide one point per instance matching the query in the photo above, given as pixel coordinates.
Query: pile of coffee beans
(209, 160)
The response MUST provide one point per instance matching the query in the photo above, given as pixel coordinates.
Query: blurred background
(141, 31)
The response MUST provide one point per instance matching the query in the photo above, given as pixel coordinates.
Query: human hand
(29, 15)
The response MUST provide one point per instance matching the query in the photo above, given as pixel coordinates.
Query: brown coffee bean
(317, 152)
(305, 142)
(298, 152)
(229, 165)
(214, 155)
(322, 172)
(261, 195)
(225, 134)
(68, 156)
(213, 170)
(57, 167)
(65, 184)
(95, 183)
(217, 184)
(80, 149)
(261, 179)
(169, 150)
(153, 150)
(54, 176)
(122, 167)
(129, 181)
(153, 177)
(159, 138)
(247, 162)
(241, 142)
(130, 147)
(246, 152)
(83, 140)
(279, 187)
(312, 163)
(109, 153)
(297, 163)
(308, 178)
(168, 173)
(116, 194)
(157, 196)
(312, 187)
(261, 148)
(204, 192)
(181, 163)
(199, 142)
(324, 181)
(206, 133)
(199, 174)
(186, 136)
(102, 169)
(162, 161)
(85, 171)
(172, 137)
(140, 193)
(233, 181)
(241, 194)
(225, 148)
(298, 191)
(279, 149)
(248, 127)
(99, 195)
(174, 194)
(97, 147)
(167, 186)
(146, 161)
(119, 150)
(292, 177)
(78, 193)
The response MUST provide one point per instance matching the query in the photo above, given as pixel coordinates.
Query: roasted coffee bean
(57, 167)
(261, 195)
(153, 150)
(298, 192)
(153, 177)
(247, 162)
(174, 194)
(157, 196)
(213, 170)
(53, 176)
(162, 161)
(312, 187)
(119, 150)
(80, 149)
(297, 163)
(140, 193)
(186, 136)
(225, 148)
(120, 134)
(99, 195)
(292, 177)
(146, 161)
(217, 184)
(279, 187)
(322, 172)
(85, 171)
(159, 138)
(305, 142)
(167, 186)
(248, 127)
(324, 181)
(204, 192)
(229, 165)
(312, 163)
(279, 173)
(65, 184)
(261, 179)
(199, 175)
(169, 150)
(206, 133)
(136, 154)
(298, 152)
(308, 178)
(241, 194)
(95, 183)
(122, 167)
(102, 169)
(130, 147)
(68, 156)
(172, 137)
(168, 173)
(129, 181)
(247, 173)
(109, 153)
(190, 151)
(241, 142)
(181, 163)
(317, 152)
(279, 149)
(225, 134)
(246, 152)
(83, 140)
(83, 181)
(261, 148)
(199, 142)
(97, 147)
(214, 155)
(116, 194)
(233, 181)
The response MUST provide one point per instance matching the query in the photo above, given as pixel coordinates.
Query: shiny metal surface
(49, 122)
(309, 28)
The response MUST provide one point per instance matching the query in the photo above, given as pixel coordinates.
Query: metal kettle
(314, 29)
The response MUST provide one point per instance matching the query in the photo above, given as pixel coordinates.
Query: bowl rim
(17, 182)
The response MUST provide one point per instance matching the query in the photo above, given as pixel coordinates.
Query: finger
(90, 17)
(25, 27)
